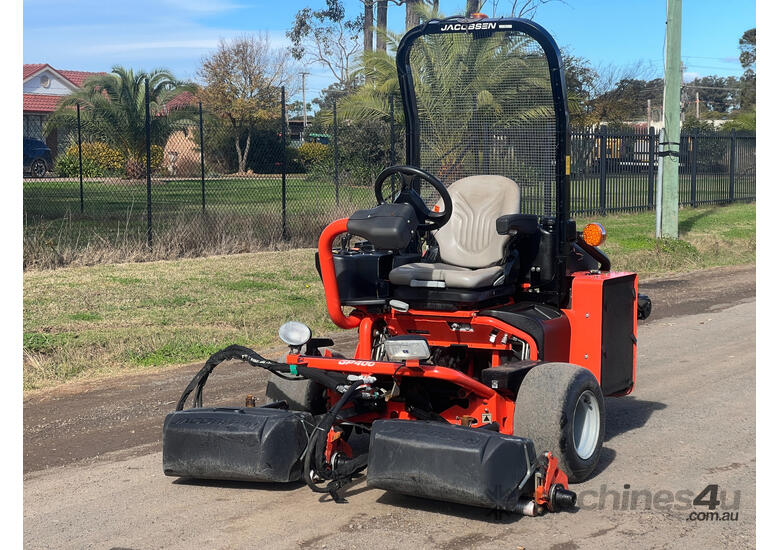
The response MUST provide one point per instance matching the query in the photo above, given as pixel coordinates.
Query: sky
(94, 35)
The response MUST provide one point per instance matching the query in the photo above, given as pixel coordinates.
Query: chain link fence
(215, 187)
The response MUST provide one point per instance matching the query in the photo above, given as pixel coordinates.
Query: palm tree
(466, 90)
(113, 110)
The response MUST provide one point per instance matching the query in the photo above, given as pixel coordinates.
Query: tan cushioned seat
(452, 275)
(469, 242)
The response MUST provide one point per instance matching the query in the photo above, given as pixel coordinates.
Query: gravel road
(93, 474)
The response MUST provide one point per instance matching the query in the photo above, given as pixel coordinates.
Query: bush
(67, 166)
(99, 160)
(311, 154)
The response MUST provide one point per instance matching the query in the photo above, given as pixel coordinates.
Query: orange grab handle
(328, 270)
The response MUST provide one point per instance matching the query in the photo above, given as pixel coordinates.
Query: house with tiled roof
(44, 87)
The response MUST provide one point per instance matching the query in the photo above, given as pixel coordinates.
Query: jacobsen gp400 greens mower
(489, 328)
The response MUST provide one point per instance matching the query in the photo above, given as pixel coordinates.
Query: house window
(33, 126)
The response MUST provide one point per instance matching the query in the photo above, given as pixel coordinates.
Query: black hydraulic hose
(315, 449)
(247, 355)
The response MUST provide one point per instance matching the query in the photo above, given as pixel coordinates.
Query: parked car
(37, 157)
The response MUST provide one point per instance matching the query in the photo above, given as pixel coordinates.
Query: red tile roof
(29, 70)
(184, 99)
(77, 78)
(40, 103)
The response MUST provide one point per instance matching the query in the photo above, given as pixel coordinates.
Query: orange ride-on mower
(489, 328)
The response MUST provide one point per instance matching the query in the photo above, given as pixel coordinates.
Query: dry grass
(70, 241)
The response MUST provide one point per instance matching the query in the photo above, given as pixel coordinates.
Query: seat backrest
(470, 238)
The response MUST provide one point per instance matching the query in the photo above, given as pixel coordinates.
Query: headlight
(402, 348)
(294, 333)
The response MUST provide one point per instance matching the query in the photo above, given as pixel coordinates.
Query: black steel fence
(204, 181)
(617, 172)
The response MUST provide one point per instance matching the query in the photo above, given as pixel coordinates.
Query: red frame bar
(328, 270)
(363, 367)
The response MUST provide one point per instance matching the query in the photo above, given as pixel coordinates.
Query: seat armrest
(517, 224)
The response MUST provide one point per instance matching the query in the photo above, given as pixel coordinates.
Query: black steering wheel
(409, 195)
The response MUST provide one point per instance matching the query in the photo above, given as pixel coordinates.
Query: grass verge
(86, 321)
(709, 237)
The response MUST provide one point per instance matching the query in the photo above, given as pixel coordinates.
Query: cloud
(203, 6)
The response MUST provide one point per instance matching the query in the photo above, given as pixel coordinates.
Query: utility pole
(697, 105)
(303, 94)
(683, 93)
(649, 114)
(671, 152)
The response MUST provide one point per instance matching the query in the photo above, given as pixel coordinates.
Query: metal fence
(617, 172)
(204, 181)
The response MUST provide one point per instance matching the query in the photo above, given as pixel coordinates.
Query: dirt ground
(93, 475)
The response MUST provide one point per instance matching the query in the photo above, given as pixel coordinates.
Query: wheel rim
(586, 425)
(39, 168)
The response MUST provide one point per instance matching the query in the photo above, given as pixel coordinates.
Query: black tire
(545, 411)
(301, 395)
(38, 168)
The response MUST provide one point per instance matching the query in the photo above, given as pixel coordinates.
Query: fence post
(335, 152)
(81, 172)
(284, 165)
(732, 162)
(202, 159)
(693, 159)
(651, 166)
(148, 124)
(603, 171)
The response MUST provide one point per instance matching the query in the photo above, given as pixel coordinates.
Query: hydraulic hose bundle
(241, 353)
(341, 470)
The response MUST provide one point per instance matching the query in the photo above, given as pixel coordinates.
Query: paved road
(93, 478)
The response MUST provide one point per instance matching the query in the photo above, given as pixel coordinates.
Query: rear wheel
(560, 407)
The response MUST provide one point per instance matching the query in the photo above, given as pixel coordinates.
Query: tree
(381, 25)
(515, 8)
(328, 38)
(717, 94)
(368, 25)
(242, 84)
(747, 49)
(113, 110)
(747, 57)
(580, 85)
(412, 13)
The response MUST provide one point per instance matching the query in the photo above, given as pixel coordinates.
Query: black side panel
(362, 277)
(453, 299)
(243, 444)
(451, 463)
(507, 378)
(528, 317)
(617, 335)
